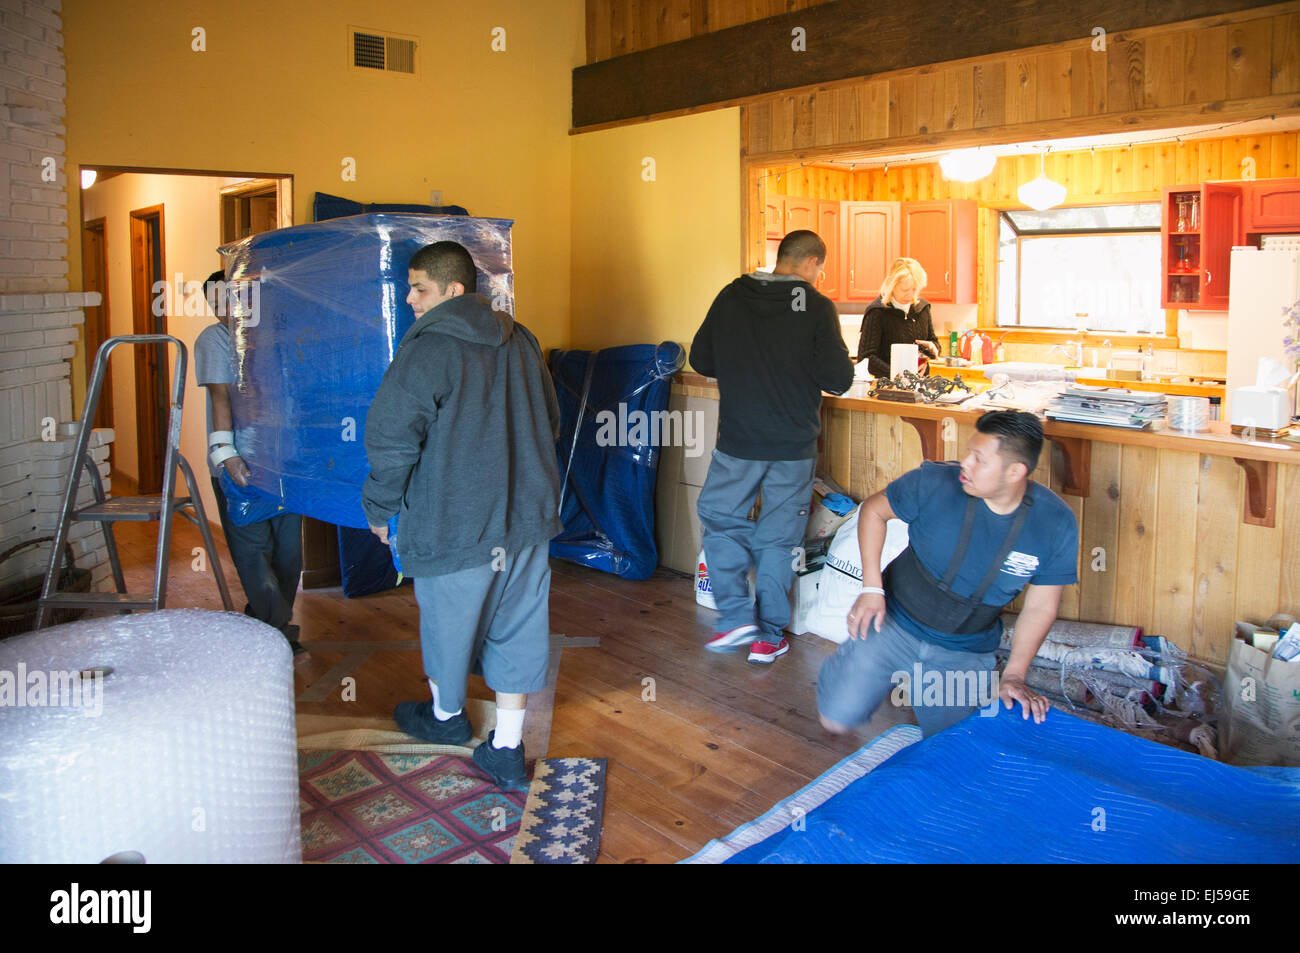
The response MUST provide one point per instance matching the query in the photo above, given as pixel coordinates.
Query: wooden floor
(697, 743)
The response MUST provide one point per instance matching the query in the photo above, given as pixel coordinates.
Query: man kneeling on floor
(979, 532)
(461, 441)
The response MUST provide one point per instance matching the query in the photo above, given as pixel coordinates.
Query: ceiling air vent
(396, 54)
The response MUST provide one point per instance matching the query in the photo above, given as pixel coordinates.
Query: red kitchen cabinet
(940, 234)
(869, 246)
(799, 213)
(831, 283)
(1198, 227)
(774, 217)
(1272, 204)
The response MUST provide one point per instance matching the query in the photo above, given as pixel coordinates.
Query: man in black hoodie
(774, 344)
(461, 443)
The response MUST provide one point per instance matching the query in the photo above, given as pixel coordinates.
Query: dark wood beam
(847, 39)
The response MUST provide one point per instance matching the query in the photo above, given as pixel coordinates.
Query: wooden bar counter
(1179, 534)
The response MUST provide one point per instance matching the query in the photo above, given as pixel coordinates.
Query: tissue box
(1265, 408)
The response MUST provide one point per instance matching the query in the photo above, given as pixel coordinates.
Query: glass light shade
(88, 177)
(967, 165)
(1042, 193)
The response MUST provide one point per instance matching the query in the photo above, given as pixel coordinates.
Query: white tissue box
(1266, 408)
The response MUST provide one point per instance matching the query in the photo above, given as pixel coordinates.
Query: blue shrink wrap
(315, 314)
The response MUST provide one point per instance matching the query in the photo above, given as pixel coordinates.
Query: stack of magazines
(1107, 407)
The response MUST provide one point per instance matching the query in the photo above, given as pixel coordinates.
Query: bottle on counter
(952, 345)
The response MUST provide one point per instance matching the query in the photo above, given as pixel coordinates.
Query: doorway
(151, 403)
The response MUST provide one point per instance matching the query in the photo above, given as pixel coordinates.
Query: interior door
(94, 277)
(151, 402)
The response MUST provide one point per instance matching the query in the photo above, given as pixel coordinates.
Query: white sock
(510, 728)
(437, 709)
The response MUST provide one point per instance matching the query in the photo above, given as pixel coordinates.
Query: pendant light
(967, 165)
(88, 177)
(1042, 193)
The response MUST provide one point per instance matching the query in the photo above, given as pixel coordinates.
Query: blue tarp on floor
(1005, 790)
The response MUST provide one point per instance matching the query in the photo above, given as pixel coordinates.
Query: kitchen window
(1095, 267)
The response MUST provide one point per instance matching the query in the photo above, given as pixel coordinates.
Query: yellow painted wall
(650, 256)
(274, 93)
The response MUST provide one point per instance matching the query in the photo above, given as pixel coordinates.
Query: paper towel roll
(177, 741)
(903, 357)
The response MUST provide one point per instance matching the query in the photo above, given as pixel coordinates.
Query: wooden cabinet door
(1272, 203)
(828, 227)
(940, 234)
(870, 245)
(799, 213)
(1221, 228)
(774, 217)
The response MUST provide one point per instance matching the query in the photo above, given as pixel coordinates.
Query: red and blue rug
(366, 807)
(371, 807)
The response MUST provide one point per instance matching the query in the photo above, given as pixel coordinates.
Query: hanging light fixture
(88, 177)
(1042, 193)
(967, 165)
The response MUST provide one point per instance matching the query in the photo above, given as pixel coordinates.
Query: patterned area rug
(369, 807)
(561, 823)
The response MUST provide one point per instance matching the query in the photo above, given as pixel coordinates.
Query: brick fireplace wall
(39, 317)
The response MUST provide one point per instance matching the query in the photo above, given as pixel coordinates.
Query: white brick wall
(33, 210)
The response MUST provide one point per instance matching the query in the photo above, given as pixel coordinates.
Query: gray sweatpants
(732, 542)
(497, 615)
(942, 685)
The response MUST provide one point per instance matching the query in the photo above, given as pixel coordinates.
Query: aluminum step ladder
(138, 509)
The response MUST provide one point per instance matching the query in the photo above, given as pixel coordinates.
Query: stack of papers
(1107, 407)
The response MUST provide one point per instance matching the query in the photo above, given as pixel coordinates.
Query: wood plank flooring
(697, 743)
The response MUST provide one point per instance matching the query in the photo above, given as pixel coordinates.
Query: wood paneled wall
(1103, 175)
(1213, 68)
(1179, 561)
(616, 27)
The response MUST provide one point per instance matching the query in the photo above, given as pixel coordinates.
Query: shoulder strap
(963, 542)
(1013, 533)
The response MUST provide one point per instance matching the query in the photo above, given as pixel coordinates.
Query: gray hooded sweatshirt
(461, 441)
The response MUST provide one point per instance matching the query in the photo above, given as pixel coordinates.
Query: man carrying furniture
(979, 531)
(774, 344)
(461, 442)
(268, 553)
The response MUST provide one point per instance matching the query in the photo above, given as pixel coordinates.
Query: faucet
(1077, 353)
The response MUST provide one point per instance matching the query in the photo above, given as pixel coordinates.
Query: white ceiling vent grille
(383, 51)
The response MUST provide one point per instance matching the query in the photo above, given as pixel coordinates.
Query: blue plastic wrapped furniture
(317, 312)
(1005, 790)
(608, 472)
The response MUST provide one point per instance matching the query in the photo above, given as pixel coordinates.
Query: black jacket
(774, 345)
(884, 325)
(461, 441)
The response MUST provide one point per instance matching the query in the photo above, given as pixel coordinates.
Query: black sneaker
(417, 719)
(504, 765)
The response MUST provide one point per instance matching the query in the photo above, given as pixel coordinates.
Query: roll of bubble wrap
(185, 752)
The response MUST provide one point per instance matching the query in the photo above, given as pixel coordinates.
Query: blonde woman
(898, 316)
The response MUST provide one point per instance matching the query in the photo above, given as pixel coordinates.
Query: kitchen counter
(1195, 389)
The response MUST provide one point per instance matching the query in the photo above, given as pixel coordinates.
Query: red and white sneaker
(766, 652)
(737, 637)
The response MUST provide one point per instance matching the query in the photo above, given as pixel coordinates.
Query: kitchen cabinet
(1272, 204)
(940, 234)
(1198, 227)
(774, 217)
(799, 213)
(831, 283)
(869, 245)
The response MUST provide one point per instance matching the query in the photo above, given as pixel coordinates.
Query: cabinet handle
(1208, 276)
(945, 277)
(850, 276)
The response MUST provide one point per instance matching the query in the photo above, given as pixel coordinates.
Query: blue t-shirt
(930, 499)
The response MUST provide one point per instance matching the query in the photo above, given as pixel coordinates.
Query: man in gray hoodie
(461, 443)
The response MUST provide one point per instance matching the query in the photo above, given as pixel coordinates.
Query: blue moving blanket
(1005, 790)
